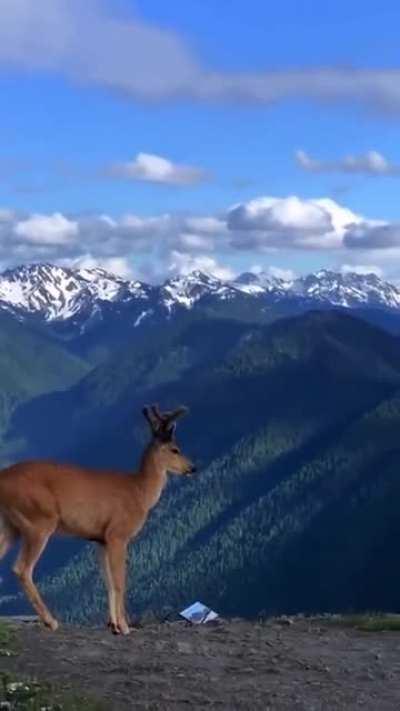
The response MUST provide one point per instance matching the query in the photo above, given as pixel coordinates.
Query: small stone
(272, 670)
(285, 621)
(7, 653)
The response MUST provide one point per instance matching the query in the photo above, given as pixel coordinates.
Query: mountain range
(59, 294)
(294, 392)
(93, 312)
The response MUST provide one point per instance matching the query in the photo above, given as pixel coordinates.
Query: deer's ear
(170, 431)
(179, 412)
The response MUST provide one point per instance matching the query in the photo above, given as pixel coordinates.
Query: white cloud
(185, 263)
(139, 224)
(115, 265)
(205, 225)
(305, 161)
(279, 273)
(273, 271)
(361, 269)
(290, 213)
(373, 236)
(47, 229)
(291, 228)
(276, 217)
(156, 169)
(370, 163)
(92, 43)
(6, 215)
(195, 242)
(290, 222)
(341, 217)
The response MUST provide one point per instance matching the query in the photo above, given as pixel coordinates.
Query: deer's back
(80, 501)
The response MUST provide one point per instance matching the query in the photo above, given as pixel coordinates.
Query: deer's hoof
(120, 629)
(52, 624)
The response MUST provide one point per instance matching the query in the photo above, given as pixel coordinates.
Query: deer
(40, 498)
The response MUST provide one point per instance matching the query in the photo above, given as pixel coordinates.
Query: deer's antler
(151, 419)
(162, 423)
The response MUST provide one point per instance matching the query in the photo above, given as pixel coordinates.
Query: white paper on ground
(198, 613)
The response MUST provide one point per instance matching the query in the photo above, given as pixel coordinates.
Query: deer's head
(163, 426)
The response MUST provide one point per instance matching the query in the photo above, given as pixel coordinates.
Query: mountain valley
(295, 413)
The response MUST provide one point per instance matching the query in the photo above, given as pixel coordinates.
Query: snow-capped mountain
(349, 290)
(262, 283)
(53, 292)
(186, 290)
(58, 294)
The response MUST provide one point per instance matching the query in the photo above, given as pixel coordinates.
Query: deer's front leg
(115, 554)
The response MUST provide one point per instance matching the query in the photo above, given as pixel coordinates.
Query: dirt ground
(300, 664)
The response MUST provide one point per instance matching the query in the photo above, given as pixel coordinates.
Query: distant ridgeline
(295, 421)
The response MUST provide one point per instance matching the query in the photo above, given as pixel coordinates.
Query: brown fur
(40, 498)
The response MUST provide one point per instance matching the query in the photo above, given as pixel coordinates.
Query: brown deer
(40, 498)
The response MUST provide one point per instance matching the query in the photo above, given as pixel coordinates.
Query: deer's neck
(152, 476)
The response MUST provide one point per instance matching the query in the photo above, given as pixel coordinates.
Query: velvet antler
(162, 424)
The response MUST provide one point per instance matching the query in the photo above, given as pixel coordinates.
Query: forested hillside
(31, 363)
(295, 428)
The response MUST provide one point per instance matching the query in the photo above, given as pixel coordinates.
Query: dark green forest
(294, 425)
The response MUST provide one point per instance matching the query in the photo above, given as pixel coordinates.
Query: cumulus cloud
(93, 43)
(112, 242)
(367, 235)
(361, 269)
(370, 163)
(274, 215)
(158, 245)
(273, 271)
(289, 223)
(280, 273)
(156, 169)
(195, 234)
(6, 215)
(185, 263)
(47, 229)
(205, 225)
(115, 265)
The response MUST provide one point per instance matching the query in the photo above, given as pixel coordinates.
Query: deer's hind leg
(106, 575)
(8, 536)
(33, 543)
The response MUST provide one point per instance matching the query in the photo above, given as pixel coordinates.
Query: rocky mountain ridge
(55, 293)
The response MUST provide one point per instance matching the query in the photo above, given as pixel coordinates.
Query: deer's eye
(175, 450)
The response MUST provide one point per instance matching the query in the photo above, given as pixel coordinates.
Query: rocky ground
(281, 665)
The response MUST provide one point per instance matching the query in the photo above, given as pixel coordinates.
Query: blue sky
(96, 93)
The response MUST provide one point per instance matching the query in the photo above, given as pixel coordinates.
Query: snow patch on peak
(262, 283)
(58, 293)
(186, 290)
(348, 289)
(54, 293)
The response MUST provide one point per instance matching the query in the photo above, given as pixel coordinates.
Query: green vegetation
(32, 695)
(296, 428)
(6, 637)
(30, 364)
(260, 530)
(373, 622)
(25, 694)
